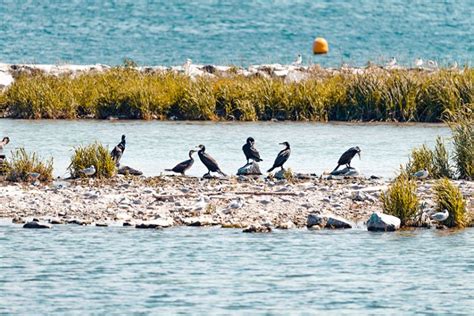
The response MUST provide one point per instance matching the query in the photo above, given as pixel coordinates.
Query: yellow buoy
(320, 46)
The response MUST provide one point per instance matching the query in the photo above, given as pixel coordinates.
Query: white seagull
(418, 62)
(187, 66)
(432, 64)
(298, 61)
(238, 203)
(440, 216)
(88, 172)
(454, 65)
(392, 62)
(201, 204)
(421, 174)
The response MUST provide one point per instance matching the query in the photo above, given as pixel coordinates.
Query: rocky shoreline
(250, 203)
(291, 73)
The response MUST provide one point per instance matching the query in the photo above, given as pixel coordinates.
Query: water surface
(238, 32)
(153, 146)
(71, 269)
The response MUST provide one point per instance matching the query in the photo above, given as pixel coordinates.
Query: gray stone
(257, 229)
(315, 219)
(126, 170)
(383, 222)
(280, 174)
(329, 221)
(250, 169)
(337, 222)
(204, 220)
(346, 172)
(35, 224)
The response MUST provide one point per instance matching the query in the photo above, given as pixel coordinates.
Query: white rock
(383, 222)
(250, 169)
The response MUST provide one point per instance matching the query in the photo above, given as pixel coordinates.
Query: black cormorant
(208, 161)
(250, 151)
(182, 167)
(3, 143)
(347, 157)
(118, 151)
(282, 157)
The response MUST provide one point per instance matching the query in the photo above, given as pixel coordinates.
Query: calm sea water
(239, 32)
(153, 146)
(90, 270)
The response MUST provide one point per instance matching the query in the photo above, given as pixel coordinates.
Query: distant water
(238, 32)
(153, 146)
(77, 270)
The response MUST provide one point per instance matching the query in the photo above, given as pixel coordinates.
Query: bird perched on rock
(88, 172)
(187, 66)
(298, 61)
(440, 216)
(282, 157)
(182, 167)
(250, 151)
(209, 162)
(347, 156)
(118, 151)
(421, 174)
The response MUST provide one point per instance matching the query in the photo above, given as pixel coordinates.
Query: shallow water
(153, 146)
(191, 270)
(238, 32)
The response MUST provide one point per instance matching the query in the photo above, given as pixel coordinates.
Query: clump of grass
(23, 165)
(288, 175)
(440, 160)
(462, 128)
(400, 200)
(95, 155)
(420, 158)
(449, 197)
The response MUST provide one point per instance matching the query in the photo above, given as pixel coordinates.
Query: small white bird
(421, 174)
(238, 203)
(454, 65)
(187, 66)
(440, 216)
(432, 64)
(201, 204)
(392, 62)
(88, 172)
(418, 62)
(298, 61)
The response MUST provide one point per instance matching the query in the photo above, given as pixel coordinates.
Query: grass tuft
(23, 165)
(400, 200)
(462, 129)
(95, 155)
(449, 197)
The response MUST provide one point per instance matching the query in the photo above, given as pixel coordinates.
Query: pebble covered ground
(167, 201)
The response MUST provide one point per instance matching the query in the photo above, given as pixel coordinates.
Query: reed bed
(26, 166)
(96, 155)
(462, 128)
(124, 92)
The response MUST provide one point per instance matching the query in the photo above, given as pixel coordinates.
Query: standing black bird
(118, 151)
(182, 167)
(282, 157)
(346, 157)
(208, 161)
(250, 151)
